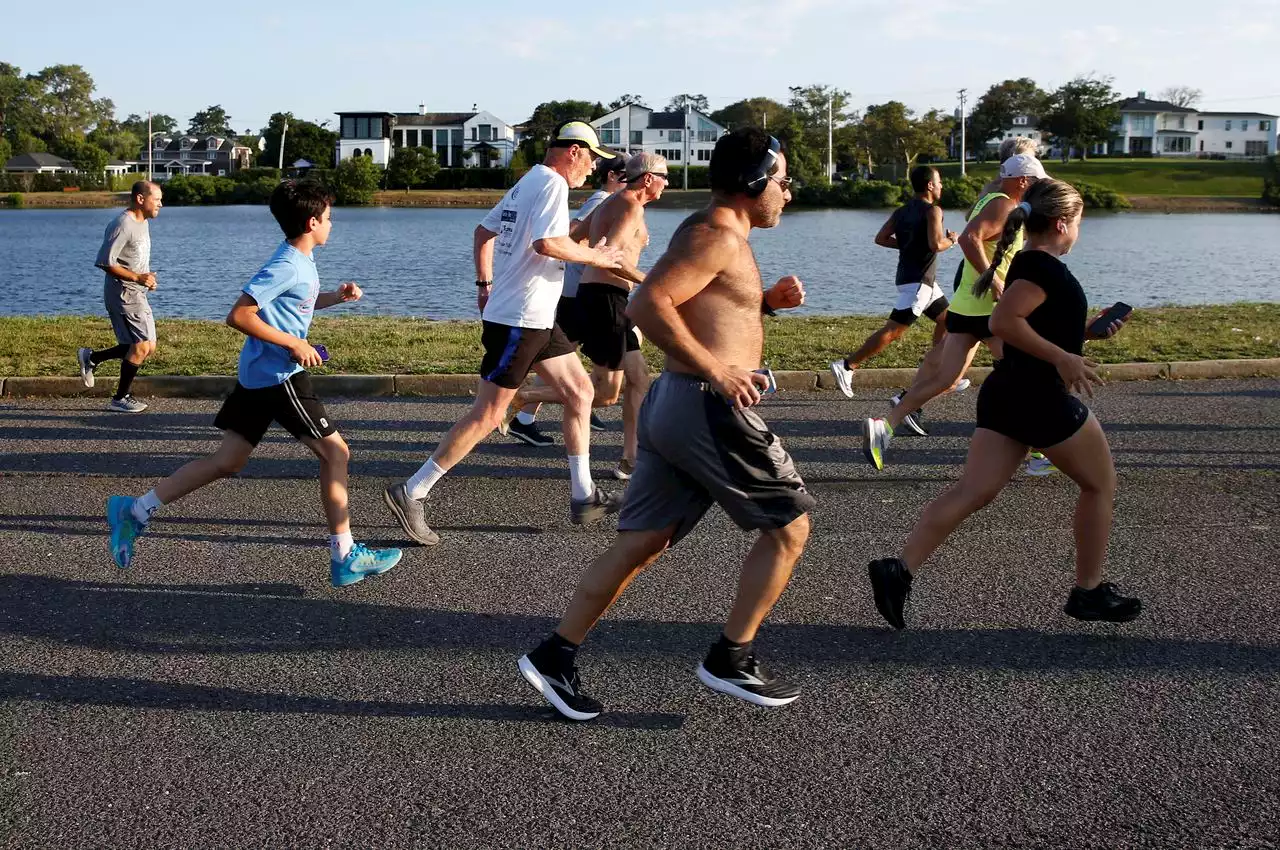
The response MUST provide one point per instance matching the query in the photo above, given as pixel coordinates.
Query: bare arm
(147, 279)
(886, 237)
(346, 292)
(939, 237)
(693, 261)
(985, 227)
(244, 318)
(482, 252)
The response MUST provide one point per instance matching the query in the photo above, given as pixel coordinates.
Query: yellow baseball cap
(580, 132)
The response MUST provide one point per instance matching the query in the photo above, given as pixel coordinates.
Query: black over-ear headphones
(755, 181)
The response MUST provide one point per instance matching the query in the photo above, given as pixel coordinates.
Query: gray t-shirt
(573, 271)
(126, 242)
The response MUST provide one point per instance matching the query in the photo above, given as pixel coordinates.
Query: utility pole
(686, 143)
(831, 169)
(280, 163)
(151, 159)
(963, 144)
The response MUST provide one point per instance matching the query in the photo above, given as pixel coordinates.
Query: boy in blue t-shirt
(274, 311)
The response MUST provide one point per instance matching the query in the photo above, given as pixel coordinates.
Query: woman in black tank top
(1028, 403)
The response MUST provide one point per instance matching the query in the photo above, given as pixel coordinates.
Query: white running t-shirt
(527, 285)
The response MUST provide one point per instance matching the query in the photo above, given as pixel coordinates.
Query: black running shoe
(597, 424)
(913, 420)
(562, 690)
(891, 586)
(748, 680)
(1104, 603)
(529, 434)
(595, 507)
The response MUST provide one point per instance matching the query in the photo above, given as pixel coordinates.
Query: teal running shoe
(360, 563)
(124, 530)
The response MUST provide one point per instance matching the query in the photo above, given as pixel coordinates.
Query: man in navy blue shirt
(274, 312)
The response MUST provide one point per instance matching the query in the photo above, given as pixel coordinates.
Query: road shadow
(217, 620)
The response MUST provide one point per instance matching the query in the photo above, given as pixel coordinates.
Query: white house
(459, 139)
(1022, 126)
(636, 129)
(1236, 133)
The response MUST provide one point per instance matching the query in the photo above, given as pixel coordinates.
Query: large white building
(1158, 128)
(638, 129)
(1022, 127)
(459, 139)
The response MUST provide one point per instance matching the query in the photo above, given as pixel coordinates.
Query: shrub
(1101, 198)
(355, 180)
(15, 200)
(961, 192)
(1271, 182)
(193, 189)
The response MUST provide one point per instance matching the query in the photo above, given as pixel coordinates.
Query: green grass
(1189, 178)
(385, 345)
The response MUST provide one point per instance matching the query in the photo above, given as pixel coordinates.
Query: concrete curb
(363, 386)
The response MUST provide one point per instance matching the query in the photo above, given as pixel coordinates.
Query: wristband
(765, 308)
(484, 283)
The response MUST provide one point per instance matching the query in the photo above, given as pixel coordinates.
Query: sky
(506, 56)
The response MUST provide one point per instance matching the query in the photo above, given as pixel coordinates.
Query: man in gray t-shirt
(125, 258)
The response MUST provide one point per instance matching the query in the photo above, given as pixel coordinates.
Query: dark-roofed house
(39, 163)
(214, 155)
(637, 129)
(459, 139)
(1158, 128)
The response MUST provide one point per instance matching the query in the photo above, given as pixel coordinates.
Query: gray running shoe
(86, 365)
(595, 507)
(410, 513)
(128, 404)
(624, 470)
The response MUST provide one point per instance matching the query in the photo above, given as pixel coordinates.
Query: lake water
(417, 262)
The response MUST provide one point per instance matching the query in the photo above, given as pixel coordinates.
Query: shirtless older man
(700, 441)
(605, 334)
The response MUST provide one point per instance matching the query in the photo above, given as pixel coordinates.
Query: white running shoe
(86, 365)
(1039, 465)
(913, 420)
(844, 377)
(128, 404)
(876, 436)
(961, 385)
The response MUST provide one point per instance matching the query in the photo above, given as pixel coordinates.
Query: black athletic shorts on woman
(293, 404)
(976, 326)
(1024, 398)
(604, 331)
(509, 353)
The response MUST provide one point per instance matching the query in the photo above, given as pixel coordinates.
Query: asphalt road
(220, 694)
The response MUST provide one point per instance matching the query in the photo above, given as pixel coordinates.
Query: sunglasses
(784, 182)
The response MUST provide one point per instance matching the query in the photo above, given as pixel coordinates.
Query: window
(1228, 144)
(1264, 125)
(1177, 144)
(610, 134)
(368, 152)
(1200, 124)
(675, 135)
(411, 138)
(1202, 142)
(1244, 126)
(355, 154)
(1228, 127)
(707, 131)
(1020, 121)
(637, 137)
(486, 132)
(704, 155)
(212, 155)
(348, 127)
(1255, 148)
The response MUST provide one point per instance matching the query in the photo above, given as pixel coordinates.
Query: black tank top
(917, 261)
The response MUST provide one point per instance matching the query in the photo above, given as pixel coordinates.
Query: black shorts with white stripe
(293, 404)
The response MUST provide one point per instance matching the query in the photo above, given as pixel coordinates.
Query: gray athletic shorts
(130, 315)
(696, 449)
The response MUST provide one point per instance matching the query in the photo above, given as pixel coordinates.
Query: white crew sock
(340, 544)
(580, 485)
(146, 506)
(525, 418)
(421, 482)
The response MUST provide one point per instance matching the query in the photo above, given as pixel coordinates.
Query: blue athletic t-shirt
(285, 289)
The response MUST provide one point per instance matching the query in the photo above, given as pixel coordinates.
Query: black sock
(114, 353)
(556, 652)
(128, 371)
(735, 652)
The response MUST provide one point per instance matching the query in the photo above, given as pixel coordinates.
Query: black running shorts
(605, 332)
(293, 404)
(1035, 412)
(567, 318)
(509, 353)
(976, 326)
(697, 450)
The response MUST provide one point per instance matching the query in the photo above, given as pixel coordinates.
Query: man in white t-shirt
(611, 175)
(520, 249)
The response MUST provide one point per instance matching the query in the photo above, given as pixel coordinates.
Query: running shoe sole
(404, 522)
(534, 678)
(717, 684)
(1090, 617)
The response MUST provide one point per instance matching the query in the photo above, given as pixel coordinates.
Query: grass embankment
(1166, 177)
(389, 345)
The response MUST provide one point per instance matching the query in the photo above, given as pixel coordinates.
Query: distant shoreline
(674, 199)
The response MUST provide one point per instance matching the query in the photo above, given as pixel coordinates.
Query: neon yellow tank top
(965, 303)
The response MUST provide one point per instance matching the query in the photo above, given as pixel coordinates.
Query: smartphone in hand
(773, 384)
(323, 352)
(1114, 313)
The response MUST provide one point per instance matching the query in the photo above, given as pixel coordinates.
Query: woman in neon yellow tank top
(967, 316)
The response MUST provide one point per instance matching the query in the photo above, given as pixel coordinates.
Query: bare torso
(620, 218)
(724, 317)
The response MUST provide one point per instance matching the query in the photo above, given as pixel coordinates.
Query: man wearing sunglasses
(603, 330)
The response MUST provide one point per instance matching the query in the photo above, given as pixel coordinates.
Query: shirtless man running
(700, 441)
(605, 334)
